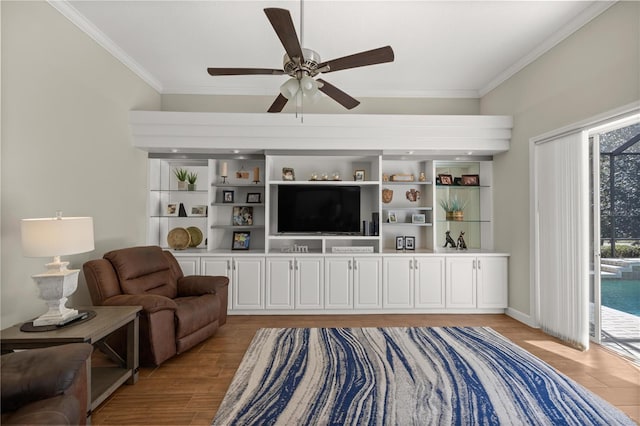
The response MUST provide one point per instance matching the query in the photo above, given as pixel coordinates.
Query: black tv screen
(318, 209)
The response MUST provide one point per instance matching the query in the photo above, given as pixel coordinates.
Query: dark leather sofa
(46, 386)
(178, 311)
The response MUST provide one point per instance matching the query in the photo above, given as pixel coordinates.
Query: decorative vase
(413, 195)
(182, 185)
(191, 187)
(387, 195)
(459, 215)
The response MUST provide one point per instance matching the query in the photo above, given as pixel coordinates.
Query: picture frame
(409, 243)
(418, 218)
(445, 179)
(199, 210)
(399, 243)
(242, 216)
(241, 240)
(471, 180)
(172, 209)
(227, 196)
(359, 175)
(254, 197)
(392, 218)
(288, 173)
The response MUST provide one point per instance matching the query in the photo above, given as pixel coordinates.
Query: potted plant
(181, 175)
(192, 177)
(454, 208)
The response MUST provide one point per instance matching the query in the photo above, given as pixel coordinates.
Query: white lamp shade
(309, 85)
(289, 88)
(49, 237)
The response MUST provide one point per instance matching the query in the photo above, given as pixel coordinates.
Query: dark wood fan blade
(337, 95)
(278, 104)
(283, 25)
(244, 71)
(370, 57)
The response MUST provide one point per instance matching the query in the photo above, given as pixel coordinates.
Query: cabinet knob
(415, 264)
(295, 262)
(350, 265)
(473, 265)
(291, 265)
(355, 265)
(478, 263)
(410, 263)
(228, 265)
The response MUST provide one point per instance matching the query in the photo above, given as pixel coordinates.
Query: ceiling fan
(304, 64)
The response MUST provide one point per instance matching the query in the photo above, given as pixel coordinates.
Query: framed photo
(418, 218)
(409, 243)
(288, 174)
(470, 180)
(227, 196)
(198, 210)
(242, 216)
(254, 197)
(241, 240)
(359, 176)
(399, 243)
(172, 209)
(392, 217)
(445, 179)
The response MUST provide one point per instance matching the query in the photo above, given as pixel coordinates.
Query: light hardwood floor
(188, 389)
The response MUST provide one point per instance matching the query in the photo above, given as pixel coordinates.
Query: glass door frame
(595, 295)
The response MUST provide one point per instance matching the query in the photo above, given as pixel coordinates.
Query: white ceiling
(442, 48)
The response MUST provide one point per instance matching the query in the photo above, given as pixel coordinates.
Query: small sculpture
(461, 244)
(413, 195)
(422, 177)
(449, 241)
(387, 195)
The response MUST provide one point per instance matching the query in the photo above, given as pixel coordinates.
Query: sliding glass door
(595, 322)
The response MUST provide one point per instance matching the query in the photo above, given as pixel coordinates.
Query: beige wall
(65, 145)
(595, 70)
(411, 106)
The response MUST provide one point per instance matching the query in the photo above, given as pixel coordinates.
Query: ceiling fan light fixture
(308, 85)
(290, 88)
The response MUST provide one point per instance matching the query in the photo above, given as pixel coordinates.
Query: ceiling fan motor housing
(307, 66)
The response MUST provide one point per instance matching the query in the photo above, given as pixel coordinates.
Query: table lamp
(55, 237)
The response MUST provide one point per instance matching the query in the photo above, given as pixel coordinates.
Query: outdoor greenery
(625, 215)
(622, 250)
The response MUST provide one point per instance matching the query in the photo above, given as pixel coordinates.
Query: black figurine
(461, 244)
(449, 241)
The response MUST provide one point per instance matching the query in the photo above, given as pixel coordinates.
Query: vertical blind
(561, 197)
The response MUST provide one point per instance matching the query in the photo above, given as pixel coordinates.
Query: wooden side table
(103, 381)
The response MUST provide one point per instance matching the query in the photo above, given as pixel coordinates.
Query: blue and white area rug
(403, 376)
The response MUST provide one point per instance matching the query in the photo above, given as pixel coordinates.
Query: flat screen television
(318, 209)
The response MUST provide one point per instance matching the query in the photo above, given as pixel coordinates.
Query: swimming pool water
(623, 295)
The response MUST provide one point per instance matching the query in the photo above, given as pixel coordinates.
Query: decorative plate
(196, 236)
(179, 238)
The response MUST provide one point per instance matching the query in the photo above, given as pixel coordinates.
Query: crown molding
(72, 14)
(578, 22)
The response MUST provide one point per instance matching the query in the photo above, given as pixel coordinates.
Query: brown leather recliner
(46, 385)
(178, 311)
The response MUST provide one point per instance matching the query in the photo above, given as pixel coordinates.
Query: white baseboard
(522, 317)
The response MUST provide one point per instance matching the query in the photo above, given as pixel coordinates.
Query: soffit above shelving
(393, 135)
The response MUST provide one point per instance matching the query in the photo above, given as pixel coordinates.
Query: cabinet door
(279, 283)
(461, 282)
(367, 282)
(189, 265)
(397, 283)
(338, 283)
(492, 272)
(429, 282)
(219, 266)
(309, 273)
(248, 277)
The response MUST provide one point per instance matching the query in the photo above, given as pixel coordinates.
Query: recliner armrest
(150, 302)
(37, 374)
(197, 285)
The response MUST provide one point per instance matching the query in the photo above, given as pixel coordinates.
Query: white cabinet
(429, 281)
(414, 282)
(353, 282)
(189, 265)
(246, 279)
(492, 282)
(367, 282)
(397, 282)
(477, 282)
(294, 282)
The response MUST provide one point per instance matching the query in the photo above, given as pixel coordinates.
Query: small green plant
(192, 177)
(181, 174)
(453, 204)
